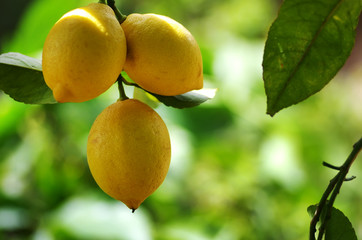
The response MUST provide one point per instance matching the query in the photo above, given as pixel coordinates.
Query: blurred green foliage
(235, 172)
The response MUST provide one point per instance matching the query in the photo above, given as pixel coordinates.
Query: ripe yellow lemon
(84, 53)
(129, 151)
(162, 55)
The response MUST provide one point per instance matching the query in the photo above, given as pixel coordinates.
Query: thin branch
(333, 189)
(331, 166)
(320, 207)
(128, 83)
(341, 177)
(350, 178)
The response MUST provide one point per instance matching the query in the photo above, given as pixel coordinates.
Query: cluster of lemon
(84, 53)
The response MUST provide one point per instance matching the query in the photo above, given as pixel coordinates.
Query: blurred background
(235, 172)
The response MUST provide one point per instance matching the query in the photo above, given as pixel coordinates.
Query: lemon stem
(120, 17)
(122, 93)
(102, 1)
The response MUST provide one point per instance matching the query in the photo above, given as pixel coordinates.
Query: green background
(235, 172)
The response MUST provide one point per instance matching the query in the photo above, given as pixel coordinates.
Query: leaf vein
(310, 45)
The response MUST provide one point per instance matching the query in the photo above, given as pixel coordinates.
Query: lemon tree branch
(332, 190)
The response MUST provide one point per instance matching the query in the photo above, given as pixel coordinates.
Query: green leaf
(22, 79)
(145, 97)
(311, 210)
(186, 100)
(307, 45)
(339, 227)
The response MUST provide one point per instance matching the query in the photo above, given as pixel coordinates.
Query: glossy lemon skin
(84, 53)
(163, 57)
(129, 151)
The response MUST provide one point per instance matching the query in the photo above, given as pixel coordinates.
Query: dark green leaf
(21, 77)
(187, 100)
(311, 210)
(307, 45)
(339, 227)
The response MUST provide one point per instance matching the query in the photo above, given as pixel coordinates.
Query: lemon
(129, 151)
(84, 53)
(162, 55)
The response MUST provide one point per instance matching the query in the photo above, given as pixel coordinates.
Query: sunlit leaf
(22, 79)
(307, 45)
(145, 97)
(187, 100)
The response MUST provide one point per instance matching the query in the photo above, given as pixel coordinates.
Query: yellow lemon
(84, 53)
(129, 151)
(162, 55)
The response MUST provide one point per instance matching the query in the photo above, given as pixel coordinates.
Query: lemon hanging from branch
(84, 53)
(162, 55)
(129, 151)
